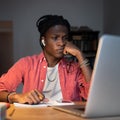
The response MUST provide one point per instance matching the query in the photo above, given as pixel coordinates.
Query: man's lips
(59, 50)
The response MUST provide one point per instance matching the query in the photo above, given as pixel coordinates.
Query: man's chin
(60, 56)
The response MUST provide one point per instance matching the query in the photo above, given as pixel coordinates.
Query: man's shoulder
(32, 58)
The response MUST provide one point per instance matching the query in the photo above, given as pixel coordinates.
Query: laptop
(104, 94)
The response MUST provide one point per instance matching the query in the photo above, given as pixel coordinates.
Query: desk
(46, 113)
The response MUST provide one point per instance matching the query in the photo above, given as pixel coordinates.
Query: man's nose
(61, 42)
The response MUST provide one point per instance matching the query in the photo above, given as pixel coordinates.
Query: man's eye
(55, 38)
(65, 38)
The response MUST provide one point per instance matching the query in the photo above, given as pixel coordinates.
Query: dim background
(101, 15)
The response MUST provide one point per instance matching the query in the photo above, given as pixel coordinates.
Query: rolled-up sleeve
(84, 87)
(10, 80)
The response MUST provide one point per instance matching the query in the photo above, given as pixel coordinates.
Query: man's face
(55, 41)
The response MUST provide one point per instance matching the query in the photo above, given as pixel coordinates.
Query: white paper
(29, 106)
(50, 103)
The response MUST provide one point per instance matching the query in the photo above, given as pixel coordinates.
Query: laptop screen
(104, 94)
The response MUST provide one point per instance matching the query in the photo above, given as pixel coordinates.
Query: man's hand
(32, 97)
(71, 49)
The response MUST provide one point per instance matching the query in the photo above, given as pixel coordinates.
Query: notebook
(104, 94)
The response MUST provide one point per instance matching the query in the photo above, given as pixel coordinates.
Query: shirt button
(42, 80)
(44, 66)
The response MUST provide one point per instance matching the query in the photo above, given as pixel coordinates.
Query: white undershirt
(52, 88)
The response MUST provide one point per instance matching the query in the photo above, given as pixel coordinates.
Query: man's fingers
(40, 95)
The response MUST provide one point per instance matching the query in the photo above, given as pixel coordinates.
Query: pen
(12, 111)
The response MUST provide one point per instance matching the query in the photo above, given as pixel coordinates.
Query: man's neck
(52, 61)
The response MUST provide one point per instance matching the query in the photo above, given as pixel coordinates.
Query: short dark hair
(47, 21)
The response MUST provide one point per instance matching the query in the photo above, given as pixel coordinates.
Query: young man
(48, 75)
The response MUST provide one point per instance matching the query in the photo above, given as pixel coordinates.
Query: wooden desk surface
(44, 113)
